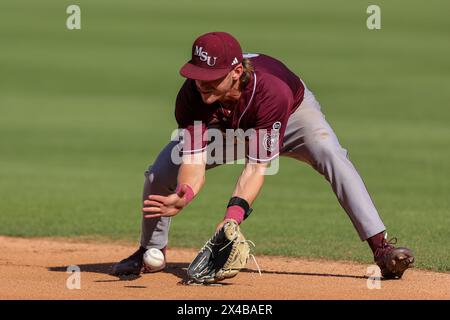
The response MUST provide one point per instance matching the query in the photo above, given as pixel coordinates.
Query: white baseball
(154, 258)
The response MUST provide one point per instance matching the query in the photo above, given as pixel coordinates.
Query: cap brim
(197, 73)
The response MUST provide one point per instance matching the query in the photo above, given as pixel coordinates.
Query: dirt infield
(37, 269)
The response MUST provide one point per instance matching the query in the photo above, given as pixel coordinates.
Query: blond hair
(248, 70)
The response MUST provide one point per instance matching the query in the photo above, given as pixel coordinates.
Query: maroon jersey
(266, 103)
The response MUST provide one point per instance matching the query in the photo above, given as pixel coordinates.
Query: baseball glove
(222, 257)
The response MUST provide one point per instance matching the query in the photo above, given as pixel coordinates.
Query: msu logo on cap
(203, 55)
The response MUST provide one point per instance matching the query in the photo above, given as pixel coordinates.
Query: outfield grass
(82, 113)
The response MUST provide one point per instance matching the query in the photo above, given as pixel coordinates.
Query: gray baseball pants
(308, 138)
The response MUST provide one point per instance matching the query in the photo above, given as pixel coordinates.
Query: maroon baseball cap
(214, 54)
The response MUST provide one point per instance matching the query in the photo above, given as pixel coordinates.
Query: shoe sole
(125, 273)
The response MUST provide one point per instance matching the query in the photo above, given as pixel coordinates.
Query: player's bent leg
(161, 179)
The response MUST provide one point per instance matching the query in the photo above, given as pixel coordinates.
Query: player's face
(211, 91)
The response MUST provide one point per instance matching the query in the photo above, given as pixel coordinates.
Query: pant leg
(310, 138)
(160, 179)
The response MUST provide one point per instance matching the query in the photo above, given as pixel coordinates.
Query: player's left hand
(164, 206)
(220, 225)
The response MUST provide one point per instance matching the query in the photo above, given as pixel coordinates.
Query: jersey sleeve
(192, 130)
(272, 113)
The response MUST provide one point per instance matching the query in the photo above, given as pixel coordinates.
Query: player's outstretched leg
(310, 138)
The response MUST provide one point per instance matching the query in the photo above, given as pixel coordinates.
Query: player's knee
(321, 135)
(327, 154)
(161, 181)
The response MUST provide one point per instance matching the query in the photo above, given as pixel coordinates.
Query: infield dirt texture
(37, 269)
(84, 112)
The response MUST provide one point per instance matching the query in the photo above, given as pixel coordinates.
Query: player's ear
(237, 71)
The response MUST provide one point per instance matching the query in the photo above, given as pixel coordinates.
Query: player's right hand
(164, 206)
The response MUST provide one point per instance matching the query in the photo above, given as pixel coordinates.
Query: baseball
(154, 258)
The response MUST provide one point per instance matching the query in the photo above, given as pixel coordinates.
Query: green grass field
(83, 112)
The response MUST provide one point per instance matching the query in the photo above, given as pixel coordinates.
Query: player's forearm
(192, 171)
(250, 182)
(246, 191)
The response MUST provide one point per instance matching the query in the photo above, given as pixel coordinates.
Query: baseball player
(257, 94)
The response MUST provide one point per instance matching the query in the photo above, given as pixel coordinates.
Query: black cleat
(131, 265)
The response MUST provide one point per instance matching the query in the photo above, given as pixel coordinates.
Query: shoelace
(389, 242)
